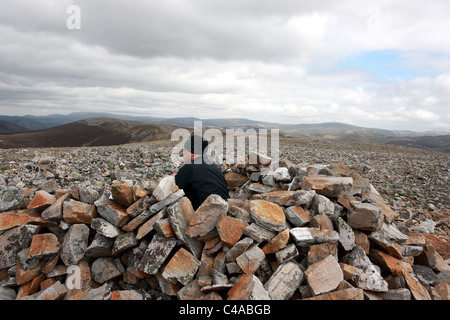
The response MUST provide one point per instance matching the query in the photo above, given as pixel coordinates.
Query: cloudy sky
(372, 63)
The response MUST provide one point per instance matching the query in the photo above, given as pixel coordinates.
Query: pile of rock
(291, 232)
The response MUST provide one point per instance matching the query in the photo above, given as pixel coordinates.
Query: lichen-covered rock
(106, 269)
(156, 253)
(75, 244)
(180, 215)
(368, 276)
(11, 199)
(105, 228)
(14, 240)
(112, 212)
(139, 246)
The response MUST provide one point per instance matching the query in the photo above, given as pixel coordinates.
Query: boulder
(284, 281)
(268, 215)
(75, 244)
(203, 224)
(365, 216)
(14, 240)
(328, 186)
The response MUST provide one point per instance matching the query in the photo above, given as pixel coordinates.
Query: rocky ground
(413, 183)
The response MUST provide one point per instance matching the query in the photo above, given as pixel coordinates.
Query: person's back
(199, 180)
(197, 177)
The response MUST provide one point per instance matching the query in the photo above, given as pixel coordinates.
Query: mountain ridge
(436, 141)
(89, 132)
(44, 122)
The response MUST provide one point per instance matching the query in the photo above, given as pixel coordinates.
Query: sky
(378, 64)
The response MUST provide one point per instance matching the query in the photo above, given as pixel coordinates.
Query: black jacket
(199, 180)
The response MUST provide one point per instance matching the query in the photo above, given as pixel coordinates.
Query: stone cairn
(318, 232)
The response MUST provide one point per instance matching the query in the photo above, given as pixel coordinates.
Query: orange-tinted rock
(234, 180)
(268, 215)
(47, 283)
(203, 223)
(320, 251)
(248, 287)
(162, 226)
(182, 267)
(230, 230)
(78, 212)
(441, 247)
(112, 212)
(24, 275)
(418, 291)
(122, 192)
(321, 221)
(44, 246)
(386, 261)
(282, 198)
(441, 291)
(277, 243)
(297, 216)
(344, 199)
(251, 259)
(147, 227)
(30, 287)
(41, 200)
(362, 240)
(15, 218)
(348, 271)
(139, 192)
(126, 295)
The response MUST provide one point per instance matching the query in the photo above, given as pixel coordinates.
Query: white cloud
(430, 101)
(424, 115)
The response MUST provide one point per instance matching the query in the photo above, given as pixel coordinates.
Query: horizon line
(224, 118)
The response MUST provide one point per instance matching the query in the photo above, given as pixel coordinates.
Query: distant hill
(434, 143)
(432, 140)
(437, 143)
(90, 132)
(44, 122)
(7, 127)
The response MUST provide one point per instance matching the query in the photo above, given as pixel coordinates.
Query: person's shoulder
(186, 168)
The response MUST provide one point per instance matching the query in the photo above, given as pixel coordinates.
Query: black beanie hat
(195, 144)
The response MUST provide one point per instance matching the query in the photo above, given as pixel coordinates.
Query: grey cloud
(268, 60)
